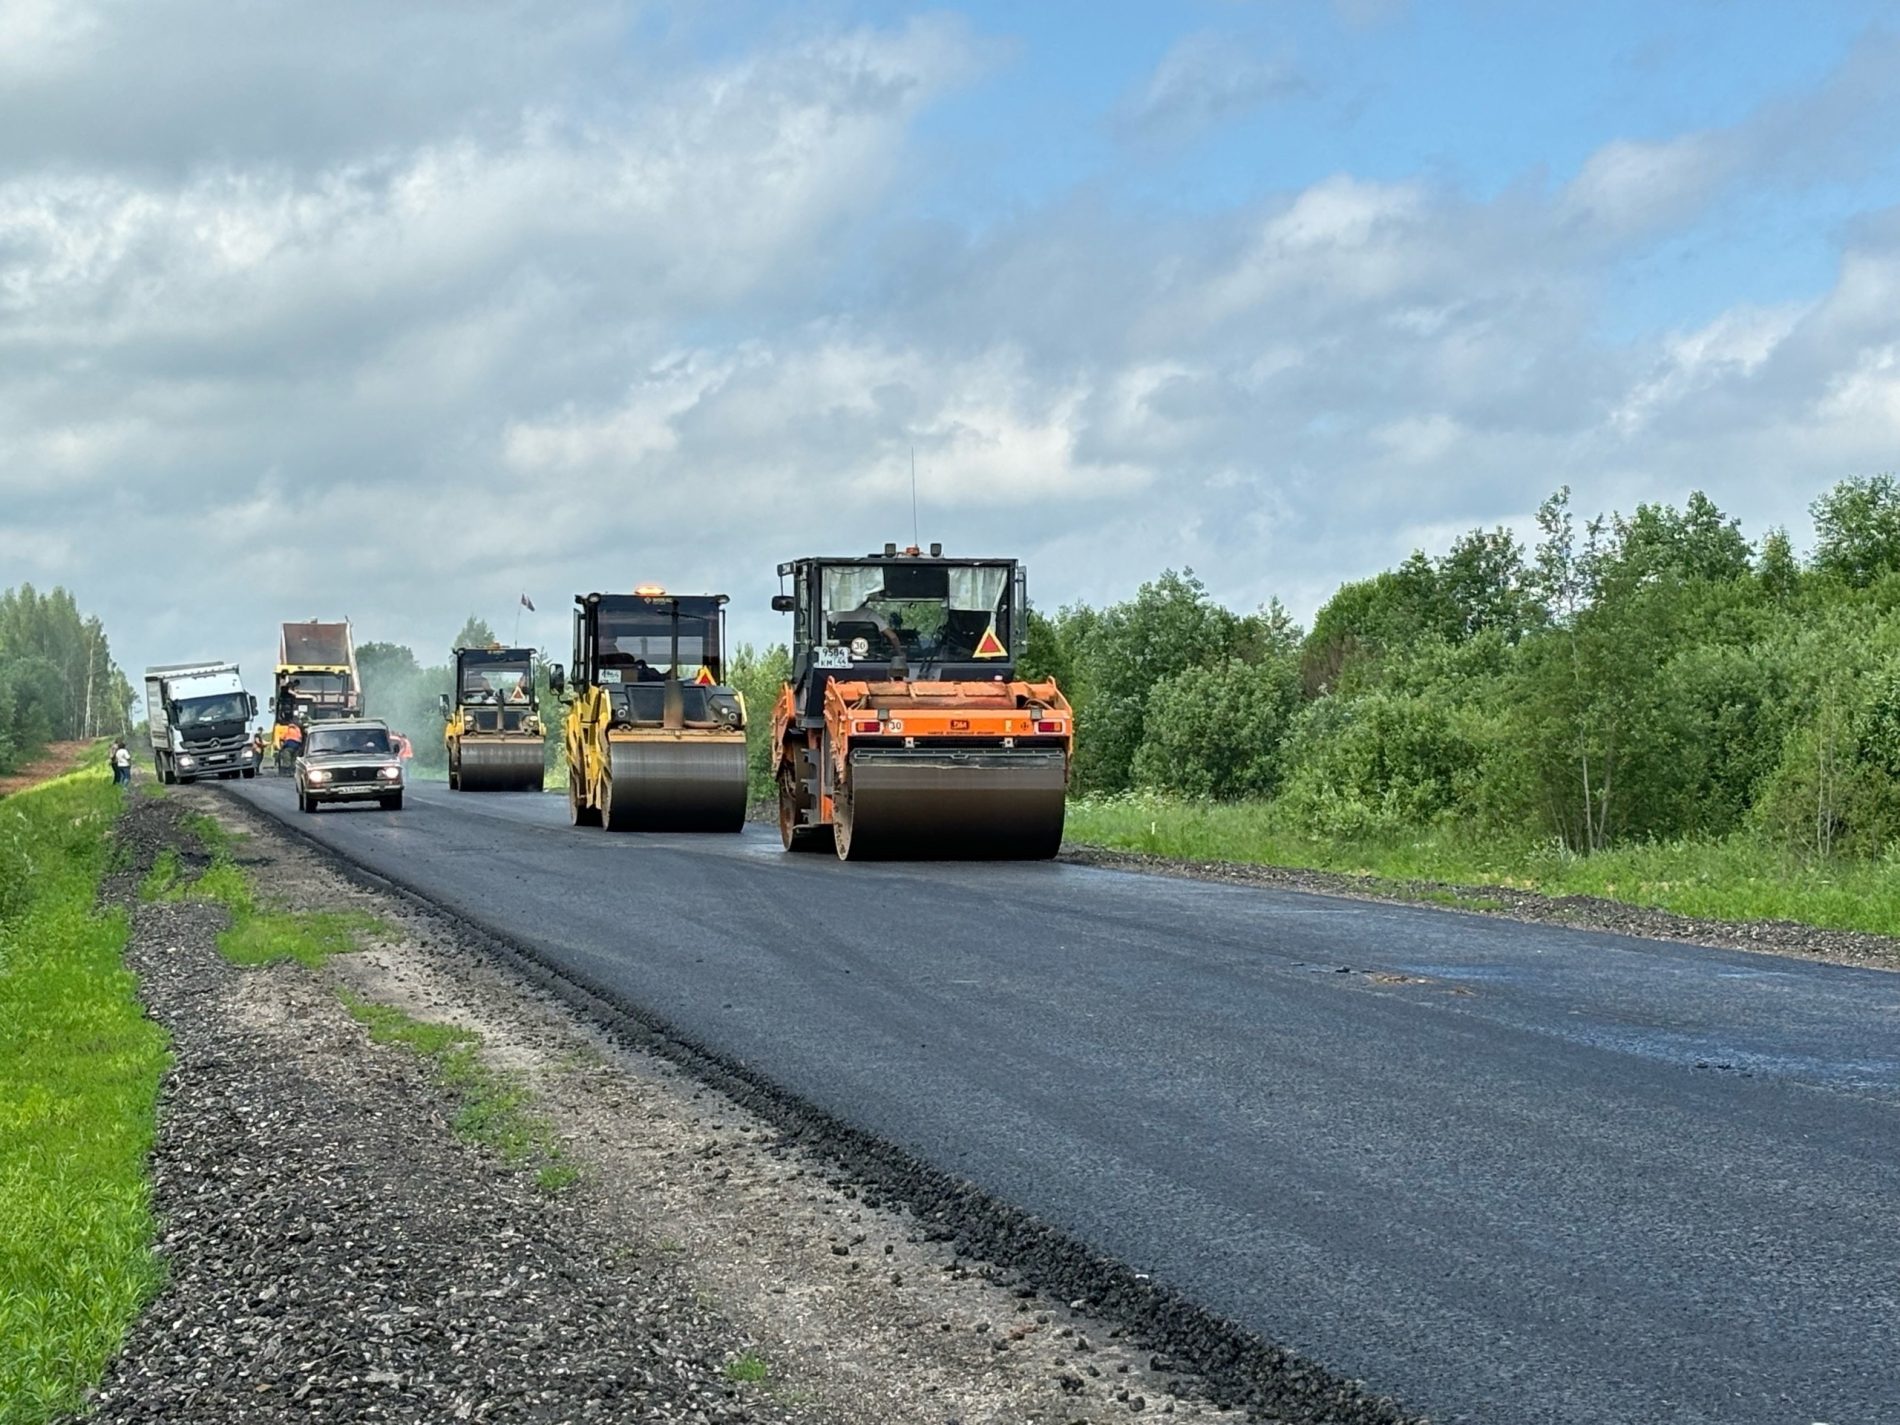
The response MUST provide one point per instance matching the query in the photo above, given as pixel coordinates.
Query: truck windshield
(320, 685)
(933, 612)
(498, 682)
(373, 741)
(219, 707)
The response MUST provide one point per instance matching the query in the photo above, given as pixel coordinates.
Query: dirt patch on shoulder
(58, 759)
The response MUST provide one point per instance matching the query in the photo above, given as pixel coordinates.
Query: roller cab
(492, 726)
(904, 730)
(655, 739)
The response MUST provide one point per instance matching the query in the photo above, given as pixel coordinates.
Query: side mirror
(442, 701)
(557, 678)
(783, 603)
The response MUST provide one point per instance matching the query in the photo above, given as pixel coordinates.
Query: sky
(401, 312)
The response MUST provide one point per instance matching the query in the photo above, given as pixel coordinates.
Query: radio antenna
(913, 494)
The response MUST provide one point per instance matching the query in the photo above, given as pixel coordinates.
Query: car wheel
(392, 803)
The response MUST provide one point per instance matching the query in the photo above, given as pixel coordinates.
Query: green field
(1739, 878)
(79, 1073)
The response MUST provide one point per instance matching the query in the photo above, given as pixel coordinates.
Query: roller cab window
(928, 612)
(498, 683)
(646, 644)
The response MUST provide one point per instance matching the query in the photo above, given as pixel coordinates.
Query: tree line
(1656, 676)
(58, 682)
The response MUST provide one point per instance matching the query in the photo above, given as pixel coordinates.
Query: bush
(1218, 731)
(1373, 764)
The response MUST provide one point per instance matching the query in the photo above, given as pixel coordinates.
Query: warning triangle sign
(705, 678)
(989, 645)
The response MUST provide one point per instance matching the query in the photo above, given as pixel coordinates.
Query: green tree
(757, 675)
(1218, 730)
(1119, 656)
(475, 634)
(1858, 528)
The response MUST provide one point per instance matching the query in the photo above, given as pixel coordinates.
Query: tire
(248, 773)
(393, 803)
(841, 823)
(578, 812)
(795, 836)
(304, 804)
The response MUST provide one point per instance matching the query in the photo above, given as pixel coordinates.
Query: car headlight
(316, 774)
(389, 774)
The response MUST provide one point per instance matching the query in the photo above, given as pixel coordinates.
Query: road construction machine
(655, 740)
(904, 730)
(316, 681)
(491, 724)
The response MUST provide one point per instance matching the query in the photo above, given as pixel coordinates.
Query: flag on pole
(527, 603)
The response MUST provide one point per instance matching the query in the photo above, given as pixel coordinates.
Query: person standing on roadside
(121, 762)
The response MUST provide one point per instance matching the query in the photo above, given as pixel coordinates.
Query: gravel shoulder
(336, 1252)
(1773, 937)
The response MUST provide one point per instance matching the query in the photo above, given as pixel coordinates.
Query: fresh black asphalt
(1505, 1173)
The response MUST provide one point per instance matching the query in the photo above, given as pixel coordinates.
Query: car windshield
(493, 682)
(930, 611)
(371, 741)
(220, 707)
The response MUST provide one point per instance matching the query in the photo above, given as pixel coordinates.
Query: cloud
(615, 318)
(1205, 80)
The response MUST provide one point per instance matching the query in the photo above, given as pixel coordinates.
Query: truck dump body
(316, 677)
(317, 645)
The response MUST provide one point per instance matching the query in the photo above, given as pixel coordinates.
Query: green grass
(258, 934)
(79, 1074)
(492, 1107)
(750, 1368)
(1737, 879)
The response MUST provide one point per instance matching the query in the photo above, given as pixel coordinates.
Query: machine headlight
(531, 724)
(389, 774)
(468, 722)
(316, 774)
(187, 761)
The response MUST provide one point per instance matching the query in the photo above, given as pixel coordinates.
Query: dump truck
(199, 716)
(655, 740)
(492, 726)
(316, 680)
(903, 729)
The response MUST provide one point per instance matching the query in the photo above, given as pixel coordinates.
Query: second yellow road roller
(655, 740)
(493, 730)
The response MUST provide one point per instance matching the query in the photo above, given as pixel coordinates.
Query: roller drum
(683, 784)
(974, 804)
(514, 766)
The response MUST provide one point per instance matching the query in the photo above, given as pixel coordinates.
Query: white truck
(199, 715)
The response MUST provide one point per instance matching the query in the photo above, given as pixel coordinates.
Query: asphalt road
(1505, 1173)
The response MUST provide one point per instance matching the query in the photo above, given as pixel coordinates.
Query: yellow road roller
(492, 728)
(655, 740)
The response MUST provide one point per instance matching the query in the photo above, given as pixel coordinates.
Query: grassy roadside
(79, 1073)
(1738, 879)
(492, 1107)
